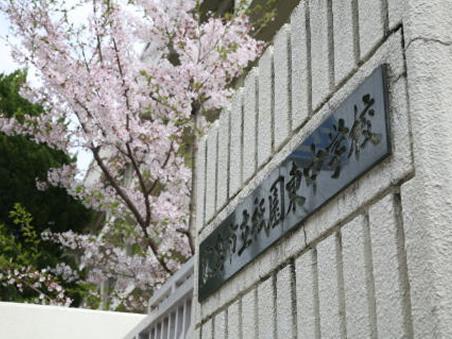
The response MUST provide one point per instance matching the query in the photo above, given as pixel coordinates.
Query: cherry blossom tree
(133, 112)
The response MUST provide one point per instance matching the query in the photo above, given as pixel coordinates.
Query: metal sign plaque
(348, 143)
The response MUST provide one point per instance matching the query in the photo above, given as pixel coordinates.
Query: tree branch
(165, 163)
(116, 186)
(131, 206)
(142, 184)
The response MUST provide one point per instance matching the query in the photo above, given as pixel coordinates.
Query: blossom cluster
(43, 282)
(104, 260)
(132, 110)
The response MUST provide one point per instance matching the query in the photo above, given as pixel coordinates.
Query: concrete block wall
(374, 262)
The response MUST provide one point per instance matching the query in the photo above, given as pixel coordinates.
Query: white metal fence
(169, 309)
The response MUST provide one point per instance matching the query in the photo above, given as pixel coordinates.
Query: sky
(7, 65)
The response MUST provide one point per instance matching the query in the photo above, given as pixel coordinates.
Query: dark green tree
(21, 162)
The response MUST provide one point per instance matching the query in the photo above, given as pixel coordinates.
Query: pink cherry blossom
(125, 84)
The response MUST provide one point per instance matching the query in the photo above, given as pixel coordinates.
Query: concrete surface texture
(21, 321)
(375, 261)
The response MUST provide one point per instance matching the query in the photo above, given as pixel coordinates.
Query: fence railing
(169, 309)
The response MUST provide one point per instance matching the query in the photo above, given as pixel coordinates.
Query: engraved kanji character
(258, 218)
(232, 238)
(292, 187)
(337, 147)
(205, 270)
(206, 265)
(361, 131)
(276, 202)
(245, 232)
(311, 171)
(219, 254)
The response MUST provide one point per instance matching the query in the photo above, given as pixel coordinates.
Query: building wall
(375, 261)
(19, 321)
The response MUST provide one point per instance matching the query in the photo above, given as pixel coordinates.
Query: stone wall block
(249, 314)
(220, 325)
(196, 333)
(266, 108)
(285, 312)
(419, 262)
(234, 320)
(200, 183)
(371, 24)
(396, 9)
(235, 157)
(357, 284)
(211, 180)
(344, 44)
(266, 309)
(207, 330)
(283, 84)
(223, 159)
(307, 296)
(250, 98)
(328, 274)
(389, 271)
(320, 51)
(301, 65)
